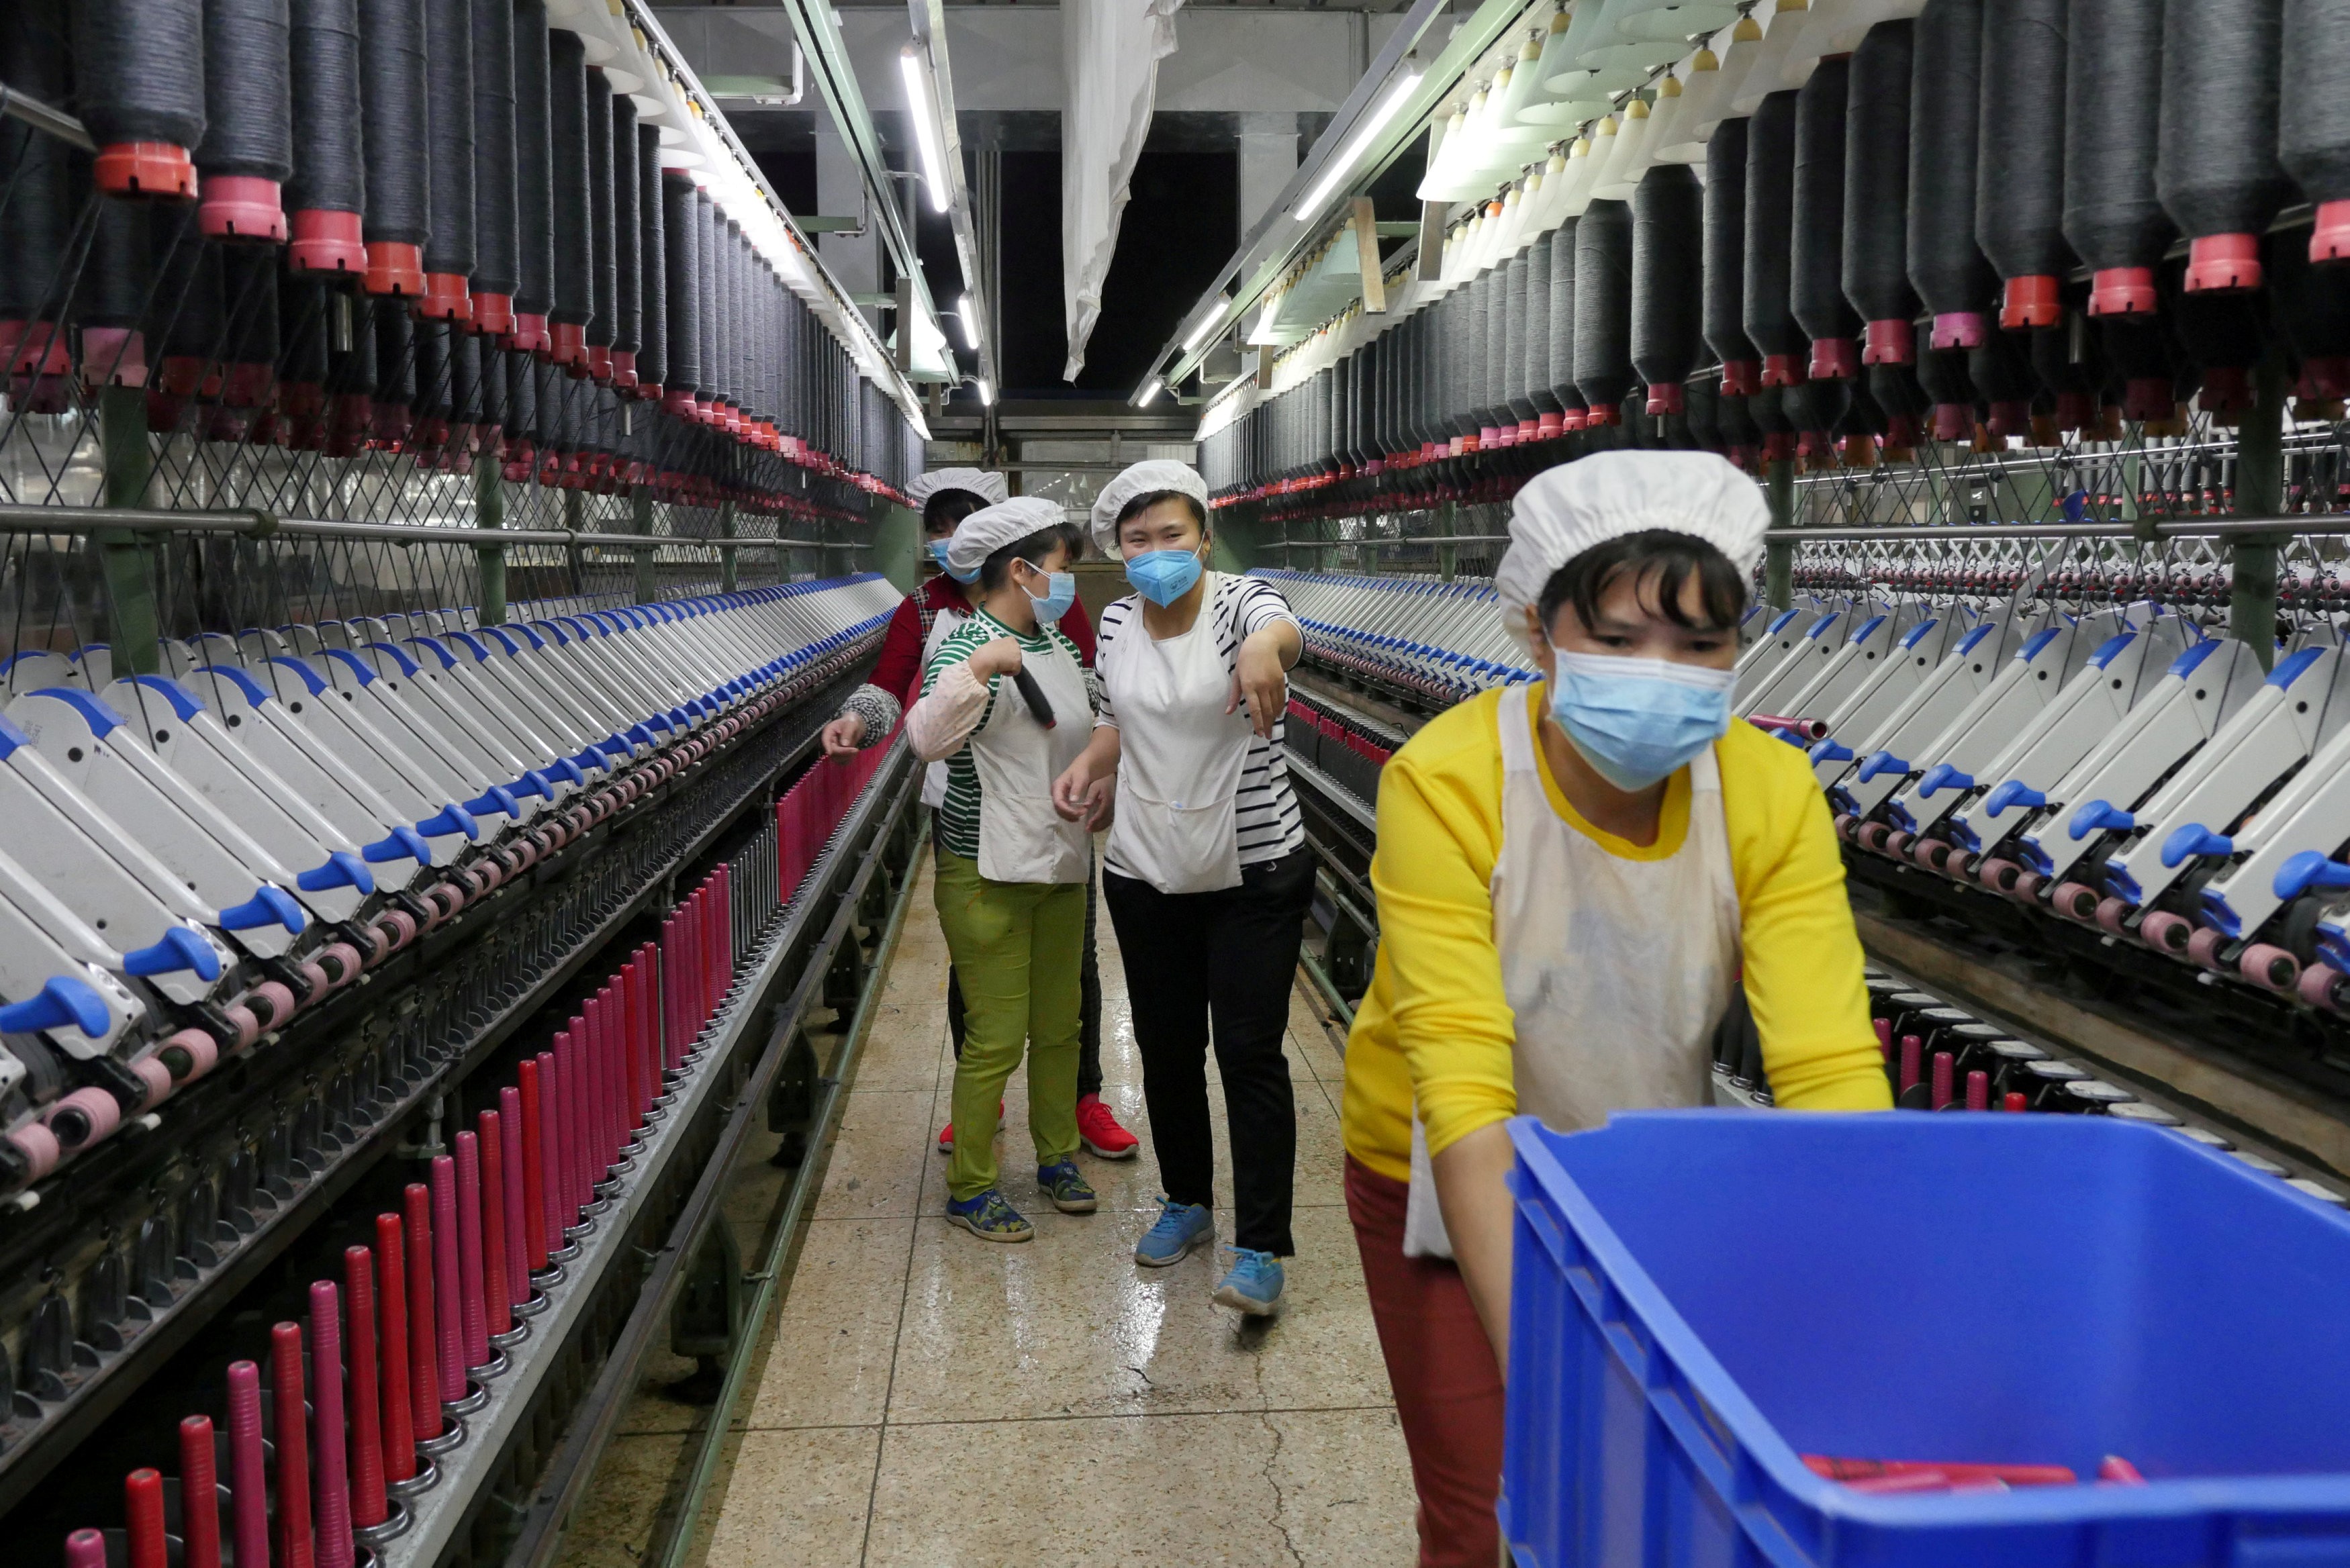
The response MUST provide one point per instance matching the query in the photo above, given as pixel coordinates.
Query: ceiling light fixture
(922, 103)
(1364, 135)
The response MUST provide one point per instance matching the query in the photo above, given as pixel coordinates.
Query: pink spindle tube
(334, 1478)
(142, 1511)
(369, 1506)
(398, 1401)
(540, 1199)
(473, 1277)
(514, 1230)
(615, 1097)
(248, 1486)
(447, 1315)
(567, 1094)
(293, 1446)
(649, 1015)
(591, 1034)
(87, 1549)
(665, 976)
(1978, 1090)
(199, 1495)
(423, 1342)
(1942, 1091)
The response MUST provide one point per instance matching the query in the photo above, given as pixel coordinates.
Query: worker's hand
(1001, 656)
(1259, 680)
(1082, 795)
(841, 737)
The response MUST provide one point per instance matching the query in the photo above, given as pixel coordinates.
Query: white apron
(1616, 970)
(1180, 756)
(934, 778)
(1020, 837)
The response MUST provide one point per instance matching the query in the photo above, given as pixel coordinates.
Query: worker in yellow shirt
(1571, 878)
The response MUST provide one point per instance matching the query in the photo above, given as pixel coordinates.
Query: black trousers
(1090, 1079)
(1228, 959)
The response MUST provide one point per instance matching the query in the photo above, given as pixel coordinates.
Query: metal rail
(2145, 529)
(24, 517)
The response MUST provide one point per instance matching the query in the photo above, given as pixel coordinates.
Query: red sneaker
(1099, 1132)
(946, 1133)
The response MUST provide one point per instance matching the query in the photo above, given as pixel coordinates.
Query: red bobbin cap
(1667, 397)
(325, 242)
(599, 362)
(1779, 446)
(1835, 359)
(145, 168)
(393, 269)
(2011, 418)
(1529, 429)
(2218, 263)
(2149, 398)
(1782, 370)
(446, 297)
(1550, 425)
(241, 207)
(1889, 342)
(1953, 421)
(2075, 411)
(2227, 389)
(1902, 430)
(2329, 239)
(568, 343)
(530, 333)
(1599, 414)
(2123, 291)
(494, 314)
(678, 401)
(2029, 302)
(1957, 329)
(624, 369)
(113, 357)
(1741, 377)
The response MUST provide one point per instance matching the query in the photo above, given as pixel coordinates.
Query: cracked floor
(929, 1400)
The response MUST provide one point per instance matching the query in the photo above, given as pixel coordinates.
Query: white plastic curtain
(1111, 51)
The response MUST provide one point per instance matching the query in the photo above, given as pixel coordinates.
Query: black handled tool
(1034, 695)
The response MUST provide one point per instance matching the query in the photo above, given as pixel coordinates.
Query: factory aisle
(931, 1399)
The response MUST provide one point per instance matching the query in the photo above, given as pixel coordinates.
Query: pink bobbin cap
(1959, 329)
(2221, 263)
(241, 207)
(1889, 342)
(2123, 291)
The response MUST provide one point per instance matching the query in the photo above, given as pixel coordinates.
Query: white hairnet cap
(988, 487)
(1565, 510)
(1143, 479)
(989, 528)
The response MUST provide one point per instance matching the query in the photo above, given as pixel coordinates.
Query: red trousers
(1448, 1387)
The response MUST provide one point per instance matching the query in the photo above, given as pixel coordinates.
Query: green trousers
(1018, 947)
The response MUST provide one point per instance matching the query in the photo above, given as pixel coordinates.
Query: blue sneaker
(1061, 1182)
(989, 1217)
(1180, 1227)
(1253, 1284)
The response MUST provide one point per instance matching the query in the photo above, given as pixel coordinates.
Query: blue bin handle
(2095, 816)
(2194, 839)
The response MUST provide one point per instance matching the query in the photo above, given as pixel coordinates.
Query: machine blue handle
(179, 949)
(2194, 839)
(1828, 751)
(63, 1000)
(2096, 817)
(1942, 776)
(2014, 792)
(268, 907)
(533, 783)
(342, 870)
(496, 798)
(1881, 762)
(449, 819)
(398, 841)
(2310, 870)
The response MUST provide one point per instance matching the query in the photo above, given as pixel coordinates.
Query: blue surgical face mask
(1060, 592)
(937, 548)
(1636, 721)
(1162, 576)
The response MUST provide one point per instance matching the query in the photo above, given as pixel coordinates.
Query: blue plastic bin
(1701, 1297)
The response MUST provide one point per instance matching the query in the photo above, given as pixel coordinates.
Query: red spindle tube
(537, 1193)
(1978, 1090)
(2014, 1102)
(2120, 1471)
(200, 1534)
(248, 1488)
(87, 1549)
(588, 1028)
(615, 1075)
(449, 1344)
(1943, 1067)
(648, 1016)
(566, 1126)
(293, 1446)
(369, 1505)
(472, 1276)
(496, 1304)
(665, 978)
(514, 1199)
(142, 1508)
(1910, 1064)
(334, 1478)
(1884, 1037)
(423, 1342)
(398, 1400)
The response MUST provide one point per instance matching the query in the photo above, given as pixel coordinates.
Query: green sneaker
(989, 1217)
(1067, 1189)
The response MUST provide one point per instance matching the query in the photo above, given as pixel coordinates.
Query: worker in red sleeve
(948, 495)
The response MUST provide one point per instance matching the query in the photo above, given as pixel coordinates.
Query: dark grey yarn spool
(395, 350)
(120, 270)
(40, 202)
(2313, 111)
(714, 367)
(1945, 266)
(1815, 264)
(575, 255)
(1562, 247)
(329, 171)
(682, 310)
(652, 356)
(1510, 370)
(2020, 138)
(1534, 372)
(393, 96)
(627, 229)
(1770, 317)
(2113, 217)
(248, 98)
(1667, 302)
(2216, 170)
(1876, 176)
(497, 235)
(533, 163)
(139, 70)
(1723, 263)
(604, 322)
(1603, 303)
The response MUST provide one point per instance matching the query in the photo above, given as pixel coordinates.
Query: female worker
(948, 495)
(1206, 872)
(1571, 878)
(1006, 704)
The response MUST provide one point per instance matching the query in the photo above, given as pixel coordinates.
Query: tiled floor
(931, 1399)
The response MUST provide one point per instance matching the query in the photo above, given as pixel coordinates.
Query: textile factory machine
(427, 552)
(2028, 318)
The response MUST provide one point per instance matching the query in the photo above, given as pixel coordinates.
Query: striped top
(957, 815)
(1265, 816)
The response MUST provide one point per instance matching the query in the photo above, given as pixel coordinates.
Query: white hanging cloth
(1111, 51)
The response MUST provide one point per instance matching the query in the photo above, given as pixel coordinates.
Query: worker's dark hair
(1150, 498)
(1661, 562)
(945, 508)
(1033, 549)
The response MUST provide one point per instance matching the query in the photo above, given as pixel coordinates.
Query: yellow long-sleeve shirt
(1436, 1021)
